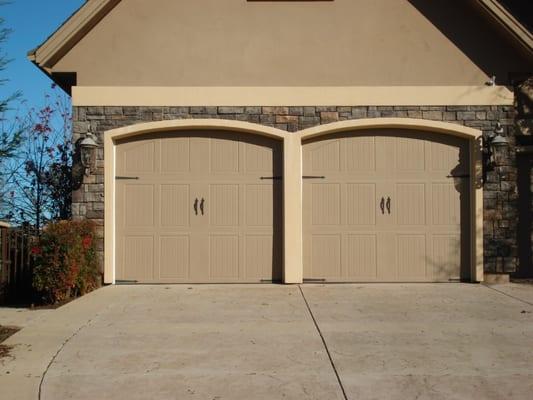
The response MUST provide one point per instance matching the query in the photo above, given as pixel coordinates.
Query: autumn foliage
(65, 262)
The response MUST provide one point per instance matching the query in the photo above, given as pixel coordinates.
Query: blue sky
(32, 21)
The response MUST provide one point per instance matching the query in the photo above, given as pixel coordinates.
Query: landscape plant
(65, 261)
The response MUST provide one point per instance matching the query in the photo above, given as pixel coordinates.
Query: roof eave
(499, 13)
(70, 33)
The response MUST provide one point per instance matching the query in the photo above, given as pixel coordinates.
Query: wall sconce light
(88, 148)
(494, 147)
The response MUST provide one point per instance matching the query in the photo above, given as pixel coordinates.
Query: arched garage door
(386, 205)
(198, 207)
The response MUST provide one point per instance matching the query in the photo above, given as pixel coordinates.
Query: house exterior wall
(500, 196)
(259, 43)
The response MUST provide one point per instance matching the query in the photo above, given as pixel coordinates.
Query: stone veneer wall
(500, 195)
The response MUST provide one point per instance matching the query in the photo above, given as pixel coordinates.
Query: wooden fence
(15, 266)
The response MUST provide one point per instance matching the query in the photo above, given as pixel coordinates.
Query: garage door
(386, 206)
(198, 207)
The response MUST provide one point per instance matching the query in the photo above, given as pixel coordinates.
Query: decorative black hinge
(459, 176)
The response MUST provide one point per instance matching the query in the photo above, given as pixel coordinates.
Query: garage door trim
(292, 184)
(476, 184)
(111, 138)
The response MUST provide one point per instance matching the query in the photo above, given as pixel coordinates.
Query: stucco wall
(500, 195)
(293, 43)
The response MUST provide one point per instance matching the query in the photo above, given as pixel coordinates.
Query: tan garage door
(386, 205)
(198, 207)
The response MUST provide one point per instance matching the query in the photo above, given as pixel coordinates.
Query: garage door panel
(223, 205)
(136, 158)
(446, 201)
(444, 156)
(408, 203)
(174, 257)
(325, 256)
(410, 154)
(139, 201)
(411, 256)
(259, 205)
(361, 204)
(360, 261)
(224, 257)
(326, 204)
(175, 210)
(259, 257)
(175, 155)
(446, 257)
(360, 153)
(138, 258)
(224, 155)
(323, 156)
(258, 158)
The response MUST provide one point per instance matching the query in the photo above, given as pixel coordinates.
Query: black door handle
(388, 204)
(382, 205)
(202, 206)
(195, 206)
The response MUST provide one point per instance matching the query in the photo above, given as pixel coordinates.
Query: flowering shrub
(65, 262)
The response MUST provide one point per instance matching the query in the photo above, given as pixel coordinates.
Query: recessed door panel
(175, 155)
(175, 257)
(259, 257)
(446, 256)
(326, 204)
(223, 202)
(409, 206)
(361, 204)
(137, 157)
(224, 257)
(175, 200)
(360, 257)
(139, 206)
(259, 210)
(138, 258)
(411, 256)
(325, 256)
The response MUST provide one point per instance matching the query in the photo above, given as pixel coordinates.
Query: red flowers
(86, 242)
(36, 250)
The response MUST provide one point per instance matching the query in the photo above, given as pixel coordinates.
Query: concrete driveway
(442, 341)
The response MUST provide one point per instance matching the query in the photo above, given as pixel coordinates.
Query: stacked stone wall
(500, 194)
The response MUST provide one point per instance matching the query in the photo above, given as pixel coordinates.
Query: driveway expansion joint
(508, 295)
(324, 343)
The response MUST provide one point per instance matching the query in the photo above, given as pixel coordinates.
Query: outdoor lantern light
(494, 147)
(88, 148)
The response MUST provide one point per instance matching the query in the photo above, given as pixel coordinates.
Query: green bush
(65, 262)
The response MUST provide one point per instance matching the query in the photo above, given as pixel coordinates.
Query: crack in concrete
(85, 325)
(324, 343)
(508, 295)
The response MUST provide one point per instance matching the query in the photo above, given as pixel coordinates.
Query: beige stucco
(335, 43)
(292, 96)
(292, 199)
(75, 28)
